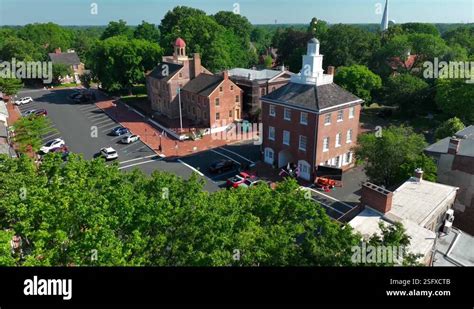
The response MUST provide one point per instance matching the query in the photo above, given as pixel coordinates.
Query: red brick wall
(332, 130)
(227, 103)
(376, 198)
(294, 127)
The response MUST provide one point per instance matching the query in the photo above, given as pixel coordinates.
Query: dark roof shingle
(311, 97)
(65, 58)
(165, 67)
(203, 84)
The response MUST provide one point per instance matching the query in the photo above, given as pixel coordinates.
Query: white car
(24, 100)
(109, 153)
(53, 144)
(130, 139)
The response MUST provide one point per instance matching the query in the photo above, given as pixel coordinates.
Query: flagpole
(180, 113)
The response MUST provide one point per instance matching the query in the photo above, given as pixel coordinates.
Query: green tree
(60, 71)
(238, 24)
(406, 91)
(268, 62)
(19, 49)
(147, 31)
(318, 29)
(67, 214)
(29, 132)
(359, 80)
(462, 36)
(291, 44)
(420, 28)
(347, 45)
(454, 97)
(449, 128)
(117, 28)
(391, 158)
(120, 62)
(48, 36)
(6, 257)
(10, 86)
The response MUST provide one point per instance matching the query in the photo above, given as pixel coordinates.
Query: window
(180, 75)
(263, 92)
(237, 98)
(338, 139)
(286, 137)
(221, 89)
(194, 111)
(231, 87)
(348, 157)
(230, 114)
(304, 118)
(327, 119)
(217, 102)
(326, 144)
(271, 133)
(272, 110)
(349, 136)
(193, 98)
(302, 143)
(351, 112)
(340, 115)
(218, 116)
(287, 114)
(337, 161)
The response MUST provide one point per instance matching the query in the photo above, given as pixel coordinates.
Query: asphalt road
(85, 129)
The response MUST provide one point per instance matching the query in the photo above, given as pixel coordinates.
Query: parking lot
(86, 129)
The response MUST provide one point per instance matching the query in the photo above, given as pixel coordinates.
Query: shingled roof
(311, 97)
(65, 58)
(204, 84)
(170, 68)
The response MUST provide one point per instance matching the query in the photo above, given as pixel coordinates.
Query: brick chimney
(225, 74)
(454, 145)
(419, 174)
(197, 68)
(57, 50)
(376, 197)
(331, 70)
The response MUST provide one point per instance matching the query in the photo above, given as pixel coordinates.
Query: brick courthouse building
(310, 121)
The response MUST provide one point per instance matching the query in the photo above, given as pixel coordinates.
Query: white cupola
(312, 70)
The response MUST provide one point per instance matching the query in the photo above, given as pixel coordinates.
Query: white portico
(312, 72)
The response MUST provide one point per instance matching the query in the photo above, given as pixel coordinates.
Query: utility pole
(180, 113)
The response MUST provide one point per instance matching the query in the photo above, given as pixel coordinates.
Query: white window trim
(284, 114)
(326, 149)
(272, 107)
(338, 140)
(327, 123)
(337, 115)
(299, 143)
(351, 109)
(269, 135)
(301, 118)
(349, 139)
(289, 138)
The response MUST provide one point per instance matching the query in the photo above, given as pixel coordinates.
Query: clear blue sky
(77, 12)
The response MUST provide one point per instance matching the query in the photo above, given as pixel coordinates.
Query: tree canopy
(90, 213)
(359, 80)
(449, 128)
(391, 157)
(454, 97)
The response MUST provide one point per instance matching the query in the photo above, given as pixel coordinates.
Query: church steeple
(384, 25)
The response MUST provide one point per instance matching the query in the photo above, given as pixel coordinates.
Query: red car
(235, 181)
(40, 112)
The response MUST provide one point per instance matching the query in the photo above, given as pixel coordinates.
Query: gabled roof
(65, 58)
(311, 97)
(165, 67)
(204, 84)
(254, 74)
(466, 144)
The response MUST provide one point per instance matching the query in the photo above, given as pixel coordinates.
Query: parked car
(108, 153)
(81, 99)
(238, 179)
(75, 94)
(52, 144)
(131, 138)
(24, 100)
(40, 112)
(251, 182)
(28, 112)
(221, 166)
(118, 131)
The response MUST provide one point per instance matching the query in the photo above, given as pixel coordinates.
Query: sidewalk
(150, 135)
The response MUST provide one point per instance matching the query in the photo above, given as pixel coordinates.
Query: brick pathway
(150, 134)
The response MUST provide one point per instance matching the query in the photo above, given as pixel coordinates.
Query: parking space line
(189, 166)
(49, 136)
(102, 121)
(98, 116)
(222, 148)
(139, 163)
(128, 146)
(107, 125)
(226, 156)
(86, 108)
(141, 158)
